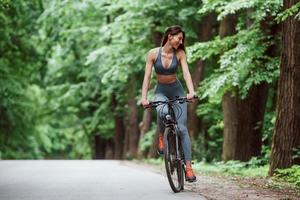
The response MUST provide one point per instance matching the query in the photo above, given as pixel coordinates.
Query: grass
(288, 179)
(154, 161)
(228, 169)
(232, 168)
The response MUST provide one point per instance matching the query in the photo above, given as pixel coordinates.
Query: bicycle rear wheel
(173, 163)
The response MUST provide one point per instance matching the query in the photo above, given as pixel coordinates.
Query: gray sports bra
(159, 68)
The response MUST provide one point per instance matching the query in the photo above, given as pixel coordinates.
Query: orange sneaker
(189, 175)
(160, 144)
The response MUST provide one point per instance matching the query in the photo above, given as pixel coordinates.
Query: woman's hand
(144, 102)
(190, 96)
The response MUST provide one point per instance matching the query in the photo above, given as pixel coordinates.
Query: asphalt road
(84, 180)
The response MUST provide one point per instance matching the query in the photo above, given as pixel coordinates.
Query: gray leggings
(170, 91)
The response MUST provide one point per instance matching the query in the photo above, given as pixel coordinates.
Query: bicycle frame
(174, 163)
(172, 123)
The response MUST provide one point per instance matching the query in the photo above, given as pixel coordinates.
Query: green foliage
(208, 145)
(294, 10)
(242, 62)
(62, 62)
(296, 153)
(206, 50)
(260, 9)
(252, 168)
(290, 175)
(241, 67)
(19, 67)
(128, 41)
(268, 129)
(212, 6)
(73, 56)
(68, 32)
(147, 141)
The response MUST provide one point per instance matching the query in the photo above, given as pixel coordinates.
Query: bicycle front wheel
(172, 161)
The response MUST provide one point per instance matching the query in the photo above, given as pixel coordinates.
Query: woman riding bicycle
(165, 60)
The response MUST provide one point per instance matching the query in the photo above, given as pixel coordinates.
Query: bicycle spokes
(173, 163)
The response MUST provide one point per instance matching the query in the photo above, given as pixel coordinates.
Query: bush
(147, 140)
(290, 175)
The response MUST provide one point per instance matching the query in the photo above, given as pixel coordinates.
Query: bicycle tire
(173, 165)
(182, 165)
(180, 149)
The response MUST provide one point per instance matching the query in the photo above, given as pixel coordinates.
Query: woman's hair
(174, 30)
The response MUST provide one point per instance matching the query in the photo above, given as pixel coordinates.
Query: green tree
(286, 138)
(20, 68)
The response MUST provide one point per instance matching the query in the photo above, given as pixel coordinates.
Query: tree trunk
(119, 131)
(205, 32)
(243, 120)
(144, 127)
(99, 147)
(153, 149)
(230, 111)
(109, 149)
(157, 37)
(194, 122)
(227, 26)
(229, 103)
(126, 138)
(286, 137)
(133, 120)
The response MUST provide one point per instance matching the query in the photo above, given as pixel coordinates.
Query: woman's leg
(185, 141)
(183, 132)
(161, 112)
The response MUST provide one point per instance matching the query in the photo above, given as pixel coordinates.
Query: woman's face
(176, 40)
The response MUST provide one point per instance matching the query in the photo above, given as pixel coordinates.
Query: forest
(71, 76)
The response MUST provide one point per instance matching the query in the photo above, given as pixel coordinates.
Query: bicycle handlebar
(154, 104)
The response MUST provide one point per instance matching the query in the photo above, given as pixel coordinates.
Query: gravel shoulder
(217, 187)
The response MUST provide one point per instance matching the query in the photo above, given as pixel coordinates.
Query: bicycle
(173, 152)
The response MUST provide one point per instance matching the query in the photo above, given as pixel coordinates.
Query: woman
(165, 60)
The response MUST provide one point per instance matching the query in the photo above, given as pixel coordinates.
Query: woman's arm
(186, 74)
(147, 77)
